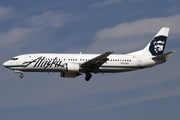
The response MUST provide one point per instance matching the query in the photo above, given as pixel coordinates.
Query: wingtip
(173, 51)
(110, 52)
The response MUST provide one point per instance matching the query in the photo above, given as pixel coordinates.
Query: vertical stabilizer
(157, 45)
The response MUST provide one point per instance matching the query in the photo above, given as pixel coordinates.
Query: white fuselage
(55, 62)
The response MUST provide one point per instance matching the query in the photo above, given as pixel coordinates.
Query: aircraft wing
(163, 56)
(97, 61)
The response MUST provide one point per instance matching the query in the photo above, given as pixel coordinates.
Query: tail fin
(157, 44)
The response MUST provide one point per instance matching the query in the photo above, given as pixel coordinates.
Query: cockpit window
(14, 58)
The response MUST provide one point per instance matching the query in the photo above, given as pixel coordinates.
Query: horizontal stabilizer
(163, 56)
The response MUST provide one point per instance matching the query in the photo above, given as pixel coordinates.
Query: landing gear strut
(88, 76)
(21, 72)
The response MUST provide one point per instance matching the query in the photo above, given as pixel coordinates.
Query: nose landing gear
(88, 76)
(21, 72)
(21, 76)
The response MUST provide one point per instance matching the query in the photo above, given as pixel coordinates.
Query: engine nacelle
(71, 67)
(68, 75)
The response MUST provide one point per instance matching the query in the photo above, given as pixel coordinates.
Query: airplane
(73, 65)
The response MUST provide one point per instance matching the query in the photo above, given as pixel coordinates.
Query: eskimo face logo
(158, 46)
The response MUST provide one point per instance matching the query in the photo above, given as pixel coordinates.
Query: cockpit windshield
(14, 58)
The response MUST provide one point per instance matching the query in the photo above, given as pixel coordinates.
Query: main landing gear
(88, 76)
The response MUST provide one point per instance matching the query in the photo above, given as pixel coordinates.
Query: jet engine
(71, 67)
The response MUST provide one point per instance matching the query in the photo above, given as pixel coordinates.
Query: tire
(88, 76)
(21, 76)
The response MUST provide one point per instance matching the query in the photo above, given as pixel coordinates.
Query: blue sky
(73, 26)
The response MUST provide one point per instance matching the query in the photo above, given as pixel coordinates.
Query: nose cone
(5, 64)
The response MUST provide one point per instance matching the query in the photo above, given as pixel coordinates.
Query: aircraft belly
(117, 69)
(30, 69)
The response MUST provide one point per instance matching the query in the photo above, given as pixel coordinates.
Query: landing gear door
(139, 61)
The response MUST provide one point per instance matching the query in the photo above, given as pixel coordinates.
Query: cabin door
(139, 61)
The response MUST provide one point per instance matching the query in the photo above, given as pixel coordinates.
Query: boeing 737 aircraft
(72, 65)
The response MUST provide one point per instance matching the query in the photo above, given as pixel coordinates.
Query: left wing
(97, 61)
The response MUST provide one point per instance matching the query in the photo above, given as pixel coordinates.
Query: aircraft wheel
(87, 79)
(21, 76)
(88, 76)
